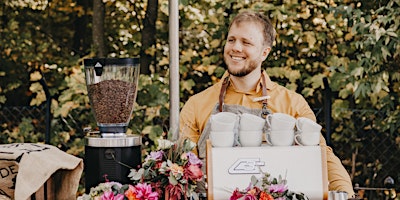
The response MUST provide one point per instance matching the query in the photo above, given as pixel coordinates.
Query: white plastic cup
(250, 122)
(222, 138)
(223, 121)
(250, 138)
(304, 124)
(280, 137)
(307, 138)
(280, 121)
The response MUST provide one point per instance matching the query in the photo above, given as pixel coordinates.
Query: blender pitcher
(112, 90)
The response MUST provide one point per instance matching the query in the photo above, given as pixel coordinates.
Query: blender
(112, 89)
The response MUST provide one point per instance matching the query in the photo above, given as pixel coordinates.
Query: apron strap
(225, 85)
(222, 93)
(265, 110)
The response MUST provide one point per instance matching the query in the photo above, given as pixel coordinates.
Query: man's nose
(237, 46)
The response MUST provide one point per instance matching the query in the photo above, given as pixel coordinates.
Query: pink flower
(109, 195)
(194, 172)
(143, 191)
(250, 197)
(278, 188)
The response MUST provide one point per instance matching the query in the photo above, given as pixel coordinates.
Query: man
(245, 87)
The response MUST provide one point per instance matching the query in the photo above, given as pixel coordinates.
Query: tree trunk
(148, 36)
(81, 40)
(98, 28)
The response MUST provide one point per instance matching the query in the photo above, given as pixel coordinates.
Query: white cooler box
(304, 167)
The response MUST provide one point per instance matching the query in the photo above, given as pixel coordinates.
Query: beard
(243, 71)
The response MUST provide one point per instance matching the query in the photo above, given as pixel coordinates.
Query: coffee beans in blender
(112, 100)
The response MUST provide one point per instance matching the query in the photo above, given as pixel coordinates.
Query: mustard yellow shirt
(196, 111)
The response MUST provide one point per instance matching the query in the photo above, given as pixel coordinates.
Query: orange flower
(130, 193)
(265, 196)
(176, 169)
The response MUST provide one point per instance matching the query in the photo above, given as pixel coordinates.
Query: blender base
(110, 159)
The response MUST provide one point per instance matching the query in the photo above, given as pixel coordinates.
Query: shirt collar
(268, 82)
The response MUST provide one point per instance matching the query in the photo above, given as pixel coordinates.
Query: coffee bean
(112, 100)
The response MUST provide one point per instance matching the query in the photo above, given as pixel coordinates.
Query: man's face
(244, 49)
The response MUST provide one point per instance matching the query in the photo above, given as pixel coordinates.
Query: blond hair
(269, 32)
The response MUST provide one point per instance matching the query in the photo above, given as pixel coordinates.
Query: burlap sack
(25, 168)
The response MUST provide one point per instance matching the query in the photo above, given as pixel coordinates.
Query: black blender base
(110, 162)
(113, 129)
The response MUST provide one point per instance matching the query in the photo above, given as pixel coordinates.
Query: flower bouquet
(110, 190)
(267, 188)
(171, 172)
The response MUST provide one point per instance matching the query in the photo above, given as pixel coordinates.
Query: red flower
(236, 195)
(158, 187)
(158, 164)
(174, 192)
(193, 172)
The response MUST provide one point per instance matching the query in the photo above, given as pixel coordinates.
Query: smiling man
(246, 88)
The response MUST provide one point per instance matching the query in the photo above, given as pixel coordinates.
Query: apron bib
(237, 109)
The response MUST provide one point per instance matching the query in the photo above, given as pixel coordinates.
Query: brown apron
(237, 109)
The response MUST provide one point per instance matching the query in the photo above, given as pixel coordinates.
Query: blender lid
(99, 63)
(91, 62)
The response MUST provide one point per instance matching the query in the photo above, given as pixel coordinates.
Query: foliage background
(354, 45)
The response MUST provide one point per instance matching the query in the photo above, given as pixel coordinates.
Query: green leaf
(136, 174)
(358, 71)
(385, 52)
(187, 85)
(391, 33)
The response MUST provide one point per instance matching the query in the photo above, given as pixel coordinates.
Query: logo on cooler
(246, 166)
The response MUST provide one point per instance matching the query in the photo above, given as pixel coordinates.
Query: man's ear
(265, 53)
